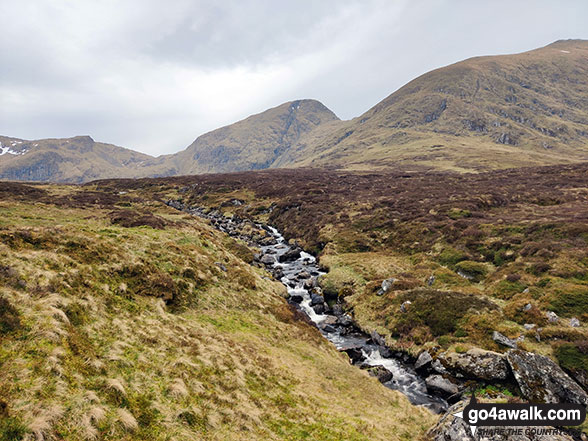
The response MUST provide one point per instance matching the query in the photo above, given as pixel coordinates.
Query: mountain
(77, 159)
(482, 113)
(256, 142)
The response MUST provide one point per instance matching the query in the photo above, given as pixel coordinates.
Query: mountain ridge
(482, 113)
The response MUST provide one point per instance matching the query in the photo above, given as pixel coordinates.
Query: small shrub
(9, 320)
(450, 257)
(573, 356)
(76, 313)
(506, 289)
(513, 278)
(475, 270)
(572, 302)
(11, 429)
(539, 268)
(440, 311)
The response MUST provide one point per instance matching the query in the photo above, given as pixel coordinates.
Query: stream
(299, 272)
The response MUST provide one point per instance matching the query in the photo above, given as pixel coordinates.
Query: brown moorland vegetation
(514, 240)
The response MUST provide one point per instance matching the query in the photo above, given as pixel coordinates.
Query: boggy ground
(121, 319)
(504, 248)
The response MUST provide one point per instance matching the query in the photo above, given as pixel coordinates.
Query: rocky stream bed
(434, 380)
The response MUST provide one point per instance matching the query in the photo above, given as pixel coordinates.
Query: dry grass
(102, 353)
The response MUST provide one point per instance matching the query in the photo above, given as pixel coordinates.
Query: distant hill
(483, 113)
(77, 159)
(254, 143)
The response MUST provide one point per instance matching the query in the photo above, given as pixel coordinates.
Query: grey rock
(296, 299)
(431, 280)
(438, 367)
(503, 340)
(337, 309)
(267, 259)
(329, 320)
(221, 266)
(377, 338)
(574, 322)
(290, 255)
(355, 354)
(440, 385)
(542, 380)
(316, 299)
(529, 326)
(386, 286)
(476, 364)
(551, 317)
(405, 305)
(381, 373)
(423, 360)
(527, 307)
(344, 320)
(319, 308)
(328, 328)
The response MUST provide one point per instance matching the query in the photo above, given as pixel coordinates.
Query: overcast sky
(153, 75)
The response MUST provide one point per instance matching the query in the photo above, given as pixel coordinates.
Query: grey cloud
(153, 75)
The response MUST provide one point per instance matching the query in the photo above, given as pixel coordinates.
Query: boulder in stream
(381, 373)
(437, 384)
(290, 255)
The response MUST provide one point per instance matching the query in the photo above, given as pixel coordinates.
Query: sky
(154, 75)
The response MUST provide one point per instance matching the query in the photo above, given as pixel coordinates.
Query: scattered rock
(221, 266)
(423, 360)
(386, 286)
(542, 380)
(503, 340)
(529, 326)
(440, 385)
(431, 280)
(527, 307)
(405, 305)
(551, 317)
(574, 322)
(303, 275)
(330, 320)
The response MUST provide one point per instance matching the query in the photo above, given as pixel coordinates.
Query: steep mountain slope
(481, 113)
(253, 143)
(77, 159)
